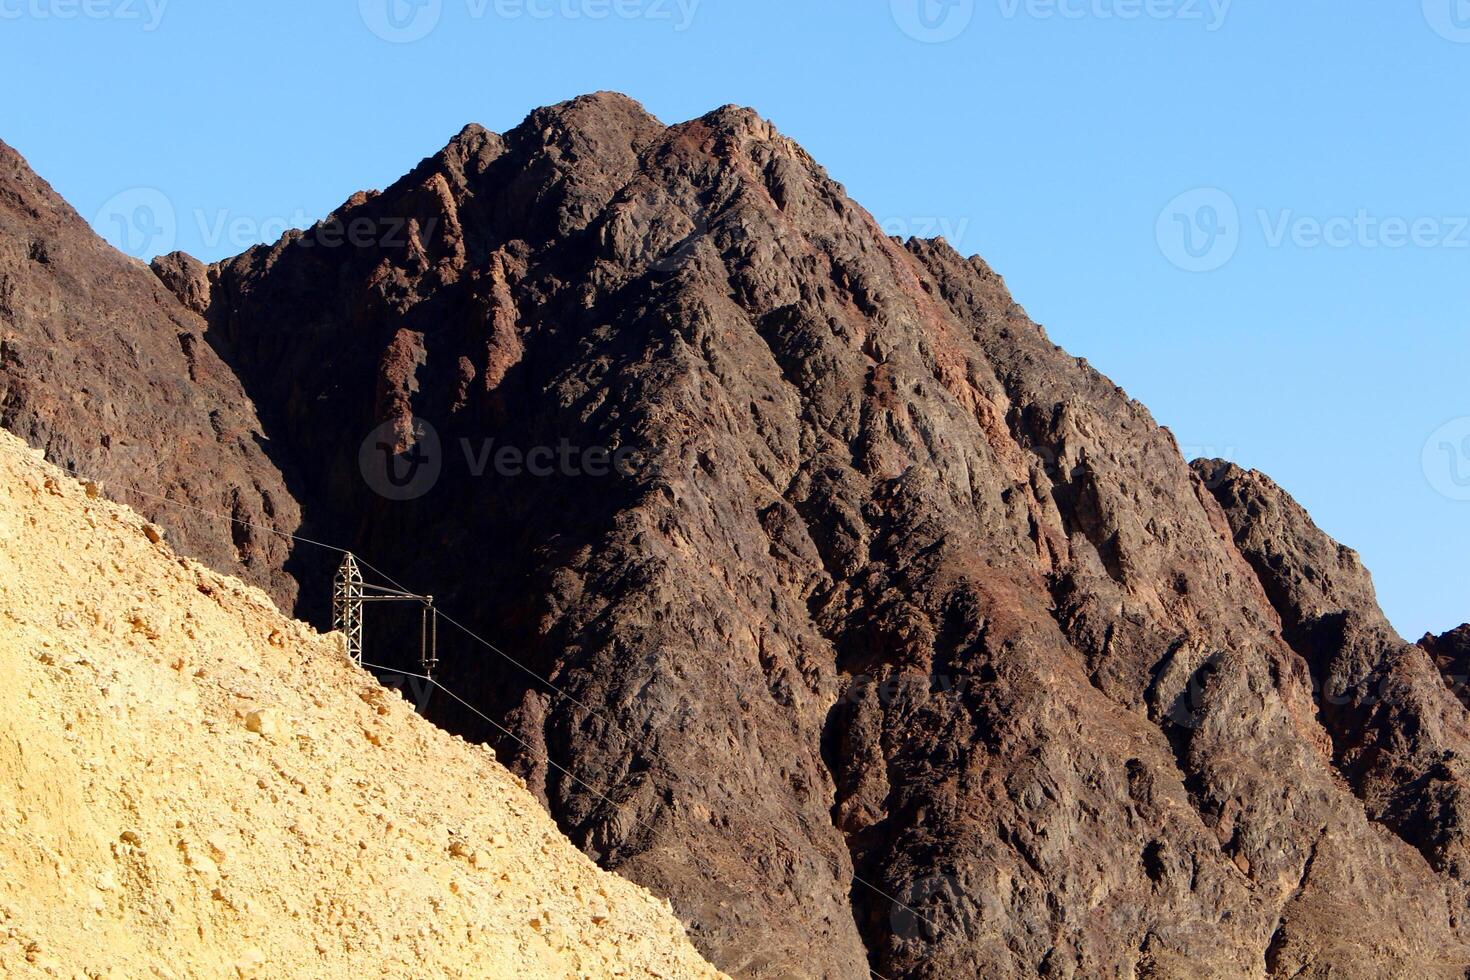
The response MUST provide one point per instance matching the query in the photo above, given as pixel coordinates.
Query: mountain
(1451, 653)
(107, 372)
(831, 600)
(197, 786)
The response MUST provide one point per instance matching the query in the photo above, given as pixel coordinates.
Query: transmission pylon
(349, 592)
(347, 599)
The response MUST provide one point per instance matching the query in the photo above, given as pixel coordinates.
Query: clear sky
(1254, 215)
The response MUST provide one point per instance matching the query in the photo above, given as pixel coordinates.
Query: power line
(641, 822)
(468, 632)
(506, 732)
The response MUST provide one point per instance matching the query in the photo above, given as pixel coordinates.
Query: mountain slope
(903, 639)
(879, 631)
(106, 371)
(196, 786)
(1398, 731)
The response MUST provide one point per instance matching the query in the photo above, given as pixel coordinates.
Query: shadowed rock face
(1398, 730)
(898, 639)
(1451, 653)
(102, 368)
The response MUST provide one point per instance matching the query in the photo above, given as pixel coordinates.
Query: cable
(504, 731)
(107, 484)
(466, 630)
(613, 722)
(579, 782)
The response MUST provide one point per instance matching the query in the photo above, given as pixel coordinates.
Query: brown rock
(898, 639)
(911, 643)
(1398, 733)
(106, 372)
(1451, 654)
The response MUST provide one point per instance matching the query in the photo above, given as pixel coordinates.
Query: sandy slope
(192, 785)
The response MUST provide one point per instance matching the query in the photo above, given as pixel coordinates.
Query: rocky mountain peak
(904, 640)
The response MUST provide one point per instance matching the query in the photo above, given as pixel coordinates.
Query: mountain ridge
(941, 658)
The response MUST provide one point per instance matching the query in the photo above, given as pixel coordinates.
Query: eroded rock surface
(881, 633)
(101, 367)
(910, 641)
(1451, 653)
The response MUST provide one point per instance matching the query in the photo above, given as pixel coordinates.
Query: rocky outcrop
(1451, 654)
(197, 786)
(102, 368)
(1398, 731)
(895, 637)
(831, 599)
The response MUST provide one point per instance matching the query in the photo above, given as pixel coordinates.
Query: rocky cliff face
(102, 368)
(883, 633)
(1451, 653)
(1398, 730)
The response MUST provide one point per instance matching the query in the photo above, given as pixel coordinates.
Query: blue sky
(1253, 215)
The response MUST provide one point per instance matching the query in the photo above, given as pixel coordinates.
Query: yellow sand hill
(193, 785)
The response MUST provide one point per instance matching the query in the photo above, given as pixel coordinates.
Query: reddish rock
(101, 367)
(902, 640)
(1451, 653)
(913, 643)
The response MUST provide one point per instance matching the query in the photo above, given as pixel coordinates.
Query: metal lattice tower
(349, 592)
(347, 606)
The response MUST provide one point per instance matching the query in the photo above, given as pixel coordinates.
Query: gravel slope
(192, 785)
